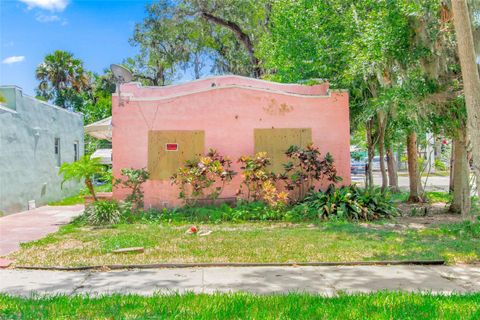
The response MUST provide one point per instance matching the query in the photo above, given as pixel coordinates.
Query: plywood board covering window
(163, 162)
(276, 141)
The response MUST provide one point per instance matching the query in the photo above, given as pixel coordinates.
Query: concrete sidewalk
(33, 225)
(260, 280)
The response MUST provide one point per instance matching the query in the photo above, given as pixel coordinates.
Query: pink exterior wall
(228, 109)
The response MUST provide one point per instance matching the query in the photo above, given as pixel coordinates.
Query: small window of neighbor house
(75, 151)
(57, 152)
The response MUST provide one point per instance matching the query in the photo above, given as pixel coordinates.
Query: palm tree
(62, 79)
(83, 169)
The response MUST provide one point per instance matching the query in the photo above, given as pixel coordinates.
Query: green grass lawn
(80, 197)
(432, 196)
(79, 245)
(382, 305)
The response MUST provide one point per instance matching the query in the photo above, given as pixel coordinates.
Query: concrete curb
(234, 264)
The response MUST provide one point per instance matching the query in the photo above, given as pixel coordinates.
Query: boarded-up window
(276, 141)
(168, 151)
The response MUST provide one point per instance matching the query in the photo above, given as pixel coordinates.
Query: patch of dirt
(418, 216)
(431, 219)
(65, 244)
(69, 244)
(422, 209)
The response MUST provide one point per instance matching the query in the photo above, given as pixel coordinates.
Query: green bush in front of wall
(348, 203)
(103, 212)
(345, 203)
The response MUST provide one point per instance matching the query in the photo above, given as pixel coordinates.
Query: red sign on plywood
(171, 147)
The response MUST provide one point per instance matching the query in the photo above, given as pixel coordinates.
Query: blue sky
(95, 31)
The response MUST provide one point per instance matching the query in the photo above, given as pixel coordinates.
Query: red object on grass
(193, 229)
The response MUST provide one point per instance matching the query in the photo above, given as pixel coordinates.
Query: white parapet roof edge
(3, 108)
(41, 101)
(225, 86)
(131, 97)
(139, 85)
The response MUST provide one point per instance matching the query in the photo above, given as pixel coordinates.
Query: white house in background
(35, 139)
(102, 130)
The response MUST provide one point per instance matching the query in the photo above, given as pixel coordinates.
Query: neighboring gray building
(35, 139)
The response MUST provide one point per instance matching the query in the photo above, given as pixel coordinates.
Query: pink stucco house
(159, 127)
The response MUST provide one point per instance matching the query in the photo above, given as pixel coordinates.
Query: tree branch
(239, 34)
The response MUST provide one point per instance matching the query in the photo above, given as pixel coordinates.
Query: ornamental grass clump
(103, 212)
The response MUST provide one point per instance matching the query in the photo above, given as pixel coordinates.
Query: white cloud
(47, 18)
(52, 5)
(13, 59)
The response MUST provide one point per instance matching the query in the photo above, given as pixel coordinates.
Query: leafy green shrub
(346, 203)
(255, 174)
(439, 165)
(244, 211)
(203, 178)
(259, 183)
(135, 178)
(256, 211)
(107, 177)
(103, 212)
(350, 203)
(305, 168)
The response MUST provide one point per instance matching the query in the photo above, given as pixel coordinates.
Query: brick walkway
(33, 225)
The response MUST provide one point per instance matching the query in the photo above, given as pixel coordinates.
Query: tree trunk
(413, 174)
(392, 170)
(381, 148)
(461, 189)
(452, 168)
(160, 76)
(471, 78)
(371, 154)
(197, 65)
(89, 184)
(437, 147)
